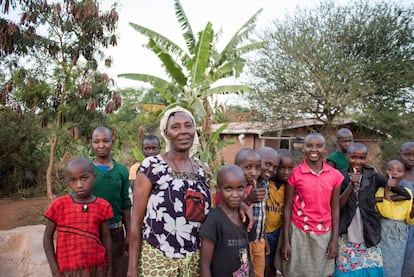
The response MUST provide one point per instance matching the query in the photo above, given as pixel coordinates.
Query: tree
(331, 60)
(195, 70)
(58, 76)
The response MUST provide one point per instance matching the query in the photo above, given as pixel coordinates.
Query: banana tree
(194, 71)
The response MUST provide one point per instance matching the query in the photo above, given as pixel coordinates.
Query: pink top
(311, 209)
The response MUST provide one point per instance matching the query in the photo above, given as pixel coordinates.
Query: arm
(49, 247)
(285, 250)
(246, 212)
(206, 256)
(142, 190)
(344, 196)
(106, 241)
(333, 243)
(126, 220)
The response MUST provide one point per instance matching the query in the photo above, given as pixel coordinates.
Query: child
(395, 215)
(111, 184)
(407, 158)
(269, 165)
(274, 205)
(360, 228)
(150, 146)
(83, 242)
(224, 239)
(250, 163)
(311, 214)
(338, 159)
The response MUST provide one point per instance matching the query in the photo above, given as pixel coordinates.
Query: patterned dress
(78, 244)
(165, 227)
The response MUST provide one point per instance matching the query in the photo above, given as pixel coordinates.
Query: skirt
(356, 259)
(154, 263)
(308, 255)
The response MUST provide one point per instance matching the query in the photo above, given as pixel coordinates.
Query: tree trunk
(49, 170)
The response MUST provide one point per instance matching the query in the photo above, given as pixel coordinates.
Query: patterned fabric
(274, 206)
(113, 185)
(308, 255)
(356, 259)
(259, 215)
(311, 209)
(165, 226)
(78, 244)
(154, 263)
(339, 159)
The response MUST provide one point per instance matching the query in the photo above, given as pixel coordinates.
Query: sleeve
(385, 207)
(209, 229)
(52, 212)
(126, 201)
(380, 180)
(339, 178)
(292, 178)
(401, 191)
(346, 180)
(408, 220)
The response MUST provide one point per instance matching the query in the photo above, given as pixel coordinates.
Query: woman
(171, 199)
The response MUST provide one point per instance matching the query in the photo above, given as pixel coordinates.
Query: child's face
(314, 149)
(285, 168)
(150, 147)
(80, 180)
(102, 143)
(269, 165)
(395, 170)
(251, 167)
(232, 189)
(357, 159)
(344, 142)
(407, 157)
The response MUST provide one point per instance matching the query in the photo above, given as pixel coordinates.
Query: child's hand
(332, 250)
(267, 247)
(391, 182)
(355, 177)
(285, 251)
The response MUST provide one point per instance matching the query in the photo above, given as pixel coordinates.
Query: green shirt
(339, 159)
(113, 186)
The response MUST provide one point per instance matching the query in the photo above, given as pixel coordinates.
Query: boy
(150, 146)
(250, 163)
(224, 239)
(338, 159)
(274, 206)
(111, 184)
(311, 214)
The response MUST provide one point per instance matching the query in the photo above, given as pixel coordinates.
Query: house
(290, 136)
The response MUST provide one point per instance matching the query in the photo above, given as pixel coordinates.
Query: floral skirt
(356, 259)
(154, 263)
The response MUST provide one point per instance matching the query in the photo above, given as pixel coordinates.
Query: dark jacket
(370, 182)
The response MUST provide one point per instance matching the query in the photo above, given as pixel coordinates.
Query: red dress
(78, 243)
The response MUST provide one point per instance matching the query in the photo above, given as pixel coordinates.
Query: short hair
(284, 153)
(231, 168)
(395, 162)
(243, 153)
(86, 163)
(267, 150)
(406, 145)
(343, 132)
(357, 146)
(102, 129)
(151, 137)
(315, 135)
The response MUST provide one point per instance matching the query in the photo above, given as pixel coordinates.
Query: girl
(83, 242)
(360, 228)
(311, 214)
(395, 215)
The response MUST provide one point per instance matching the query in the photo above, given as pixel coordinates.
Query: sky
(227, 16)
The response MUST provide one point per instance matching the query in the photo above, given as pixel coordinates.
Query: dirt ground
(22, 212)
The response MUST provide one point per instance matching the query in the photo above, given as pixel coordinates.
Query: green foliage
(23, 153)
(195, 70)
(333, 60)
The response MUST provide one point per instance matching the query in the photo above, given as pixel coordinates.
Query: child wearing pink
(311, 214)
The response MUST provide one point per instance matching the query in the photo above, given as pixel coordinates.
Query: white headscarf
(163, 127)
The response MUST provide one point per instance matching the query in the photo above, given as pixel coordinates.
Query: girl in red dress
(83, 242)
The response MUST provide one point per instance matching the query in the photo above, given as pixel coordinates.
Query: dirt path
(16, 213)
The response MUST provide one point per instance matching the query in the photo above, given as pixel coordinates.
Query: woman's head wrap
(163, 127)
